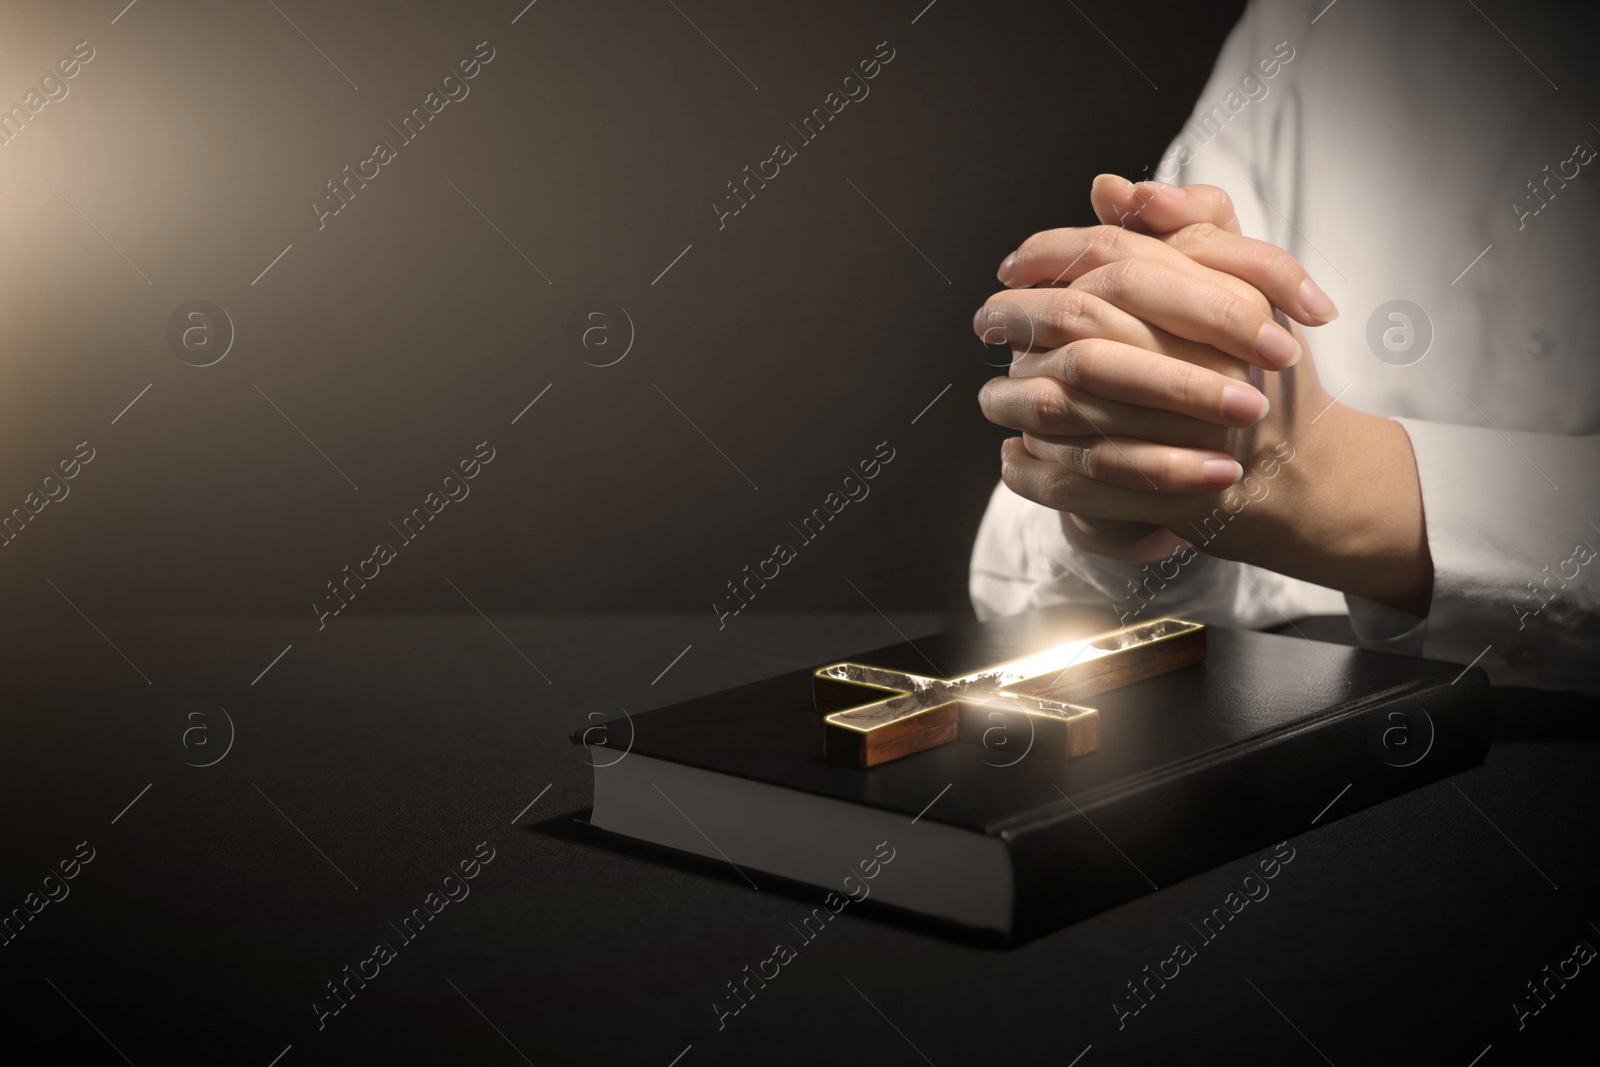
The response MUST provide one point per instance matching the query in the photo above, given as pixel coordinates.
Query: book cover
(1194, 768)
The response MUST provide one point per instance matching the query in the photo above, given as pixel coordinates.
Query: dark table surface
(375, 755)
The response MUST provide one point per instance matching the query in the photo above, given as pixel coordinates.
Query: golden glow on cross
(1036, 690)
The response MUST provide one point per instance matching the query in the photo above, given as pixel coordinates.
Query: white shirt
(1392, 153)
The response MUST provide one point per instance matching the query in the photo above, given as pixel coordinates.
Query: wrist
(1363, 530)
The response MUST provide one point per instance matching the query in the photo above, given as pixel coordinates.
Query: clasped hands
(1163, 405)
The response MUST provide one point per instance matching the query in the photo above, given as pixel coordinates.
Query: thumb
(1155, 207)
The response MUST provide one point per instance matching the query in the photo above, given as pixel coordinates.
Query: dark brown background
(407, 331)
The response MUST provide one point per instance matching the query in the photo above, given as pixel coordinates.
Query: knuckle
(1057, 493)
(1046, 405)
(1227, 314)
(1254, 298)
(1108, 242)
(1284, 270)
(1216, 201)
(1261, 303)
(1123, 274)
(1280, 264)
(1011, 475)
(1244, 320)
(1268, 266)
(1075, 363)
(1197, 236)
(1241, 289)
(1052, 492)
(1187, 383)
(1069, 312)
(1169, 467)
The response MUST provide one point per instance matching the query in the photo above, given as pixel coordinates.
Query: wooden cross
(874, 715)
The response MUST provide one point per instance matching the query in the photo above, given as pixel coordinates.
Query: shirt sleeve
(1511, 528)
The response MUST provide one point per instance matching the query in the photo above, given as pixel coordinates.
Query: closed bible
(996, 835)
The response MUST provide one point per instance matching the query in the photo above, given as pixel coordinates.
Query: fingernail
(1277, 347)
(1006, 265)
(1317, 302)
(1221, 471)
(1153, 188)
(978, 323)
(1244, 405)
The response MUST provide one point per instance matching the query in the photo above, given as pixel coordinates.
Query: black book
(1265, 738)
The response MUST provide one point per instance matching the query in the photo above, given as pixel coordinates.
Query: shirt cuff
(1384, 628)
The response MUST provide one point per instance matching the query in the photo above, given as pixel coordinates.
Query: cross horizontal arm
(874, 714)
